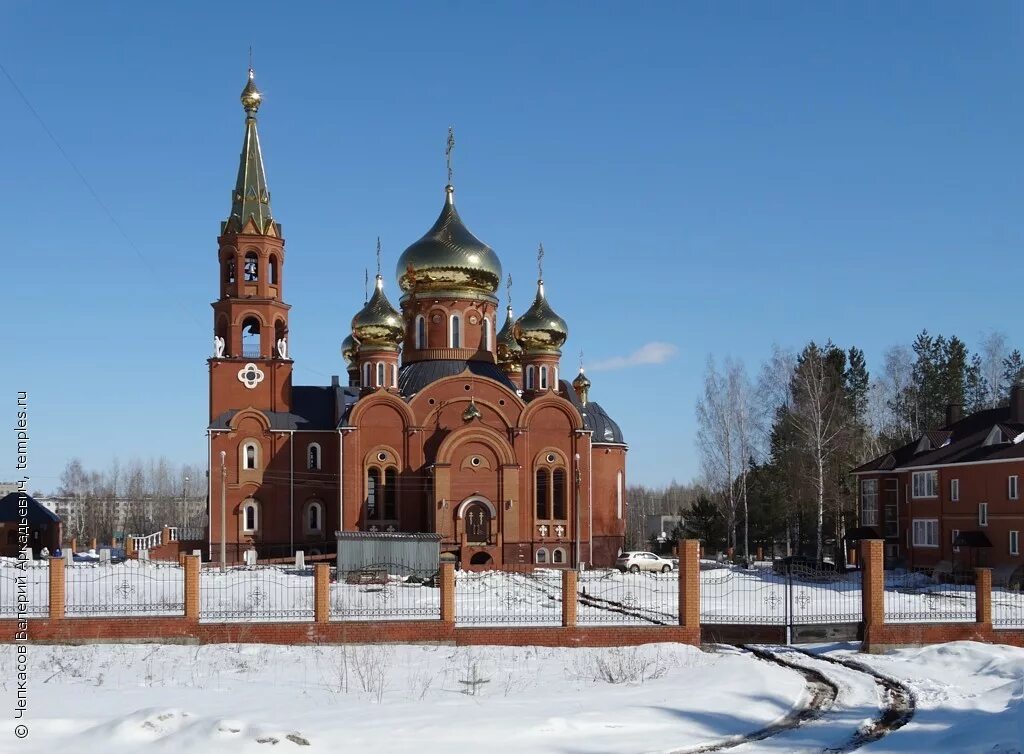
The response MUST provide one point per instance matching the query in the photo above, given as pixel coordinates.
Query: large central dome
(449, 258)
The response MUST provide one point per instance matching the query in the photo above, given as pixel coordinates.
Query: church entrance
(478, 524)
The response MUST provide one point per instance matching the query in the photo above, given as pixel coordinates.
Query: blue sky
(714, 176)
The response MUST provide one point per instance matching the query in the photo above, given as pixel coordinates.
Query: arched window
(380, 374)
(366, 375)
(313, 456)
(250, 516)
(529, 377)
(390, 494)
(250, 455)
(251, 338)
(222, 333)
(372, 490)
(558, 555)
(618, 495)
(558, 494)
(486, 339)
(394, 375)
(542, 555)
(554, 378)
(272, 267)
(421, 332)
(542, 495)
(252, 267)
(229, 269)
(543, 378)
(314, 516)
(455, 335)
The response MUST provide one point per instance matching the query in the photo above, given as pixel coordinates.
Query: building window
(542, 556)
(456, 332)
(229, 270)
(366, 375)
(314, 516)
(558, 555)
(487, 334)
(421, 332)
(925, 484)
(529, 377)
(956, 533)
(869, 502)
(250, 456)
(372, 488)
(250, 517)
(272, 268)
(559, 494)
(394, 375)
(554, 378)
(982, 514)
(391, 494)
(543, 378)
(926, 532)
(1015, 542)
(1013, 487)
(313, 456)
(251, 268)
(954, 490)
(543, 511)
(380, 374)
(618, 495)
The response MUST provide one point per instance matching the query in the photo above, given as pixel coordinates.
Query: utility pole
(223, 510)
(579, 481)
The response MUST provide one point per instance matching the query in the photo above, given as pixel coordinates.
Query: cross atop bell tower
(250, 364)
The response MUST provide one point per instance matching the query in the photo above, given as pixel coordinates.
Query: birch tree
(716, 441)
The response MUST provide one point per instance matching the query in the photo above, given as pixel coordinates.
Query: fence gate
(823, 605)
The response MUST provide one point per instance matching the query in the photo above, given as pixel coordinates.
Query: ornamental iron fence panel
(613, 597)
(25, 583)
(1008, 607)
(134, 587)
(819, 595)
(731, 594)
(385, 591)
(256, 593)
(508, 598)
(926, 595)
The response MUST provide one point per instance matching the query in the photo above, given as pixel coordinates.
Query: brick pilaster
(56, 588)
(192, 599)
(688, 551)
(322, 592)
(447, 593)
(872, 585)
(129, 548)
(569, 600)
(983, 596)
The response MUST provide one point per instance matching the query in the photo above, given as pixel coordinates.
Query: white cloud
(649, 353)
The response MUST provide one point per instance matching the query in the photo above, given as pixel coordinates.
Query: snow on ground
(427, 699)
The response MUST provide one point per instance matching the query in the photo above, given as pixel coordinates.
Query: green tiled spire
(251, 197)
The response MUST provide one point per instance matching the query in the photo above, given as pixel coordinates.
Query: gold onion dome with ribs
(378, 324)
(540, 329)
(449, 258)
(251, 96)
(509, 352)
(349, 347)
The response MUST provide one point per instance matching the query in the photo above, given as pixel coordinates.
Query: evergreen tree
(976, 387)
(1013, 371)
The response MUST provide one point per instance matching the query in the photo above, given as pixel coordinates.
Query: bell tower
(251, 365)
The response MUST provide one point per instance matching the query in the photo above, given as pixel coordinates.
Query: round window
(552, 458)
(475, 460)
(382, 456)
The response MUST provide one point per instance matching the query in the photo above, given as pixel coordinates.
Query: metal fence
(612, 597)
(256, 593)
(730, 594)
(824, 595)
(508, 598)
(27, 582)
(134, 587)
(922, 595)
(385, 591)
(1007, 607)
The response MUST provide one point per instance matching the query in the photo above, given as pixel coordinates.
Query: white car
(634, 562)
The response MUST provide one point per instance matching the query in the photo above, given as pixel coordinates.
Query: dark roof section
(37, 513)
(595, 418)
(313, 409)
(412, 378)
(960, 442)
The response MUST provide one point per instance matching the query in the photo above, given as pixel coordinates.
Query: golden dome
(449, 258)
(251, 96)
(540, 329)
(509, 352)
(378, 325)
(349, 347)
(582, 382)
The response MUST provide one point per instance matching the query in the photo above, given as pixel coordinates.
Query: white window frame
(1013, 487)
(543, 385)
(246, 507)
(865, 493)
(487, 334)
(925, 532)
(394, 375)
(319, 456)
(558, 551)
(315, 505)
(255, 456)
(380, 374)
(367, 372)
(618, 495)
(421, 331)
(1014, 542)
(954, 490)
(982, 514)
(542, 556)
(529, 377)
(455, 331)
(929, 487)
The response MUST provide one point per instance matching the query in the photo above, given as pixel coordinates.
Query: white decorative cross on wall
(250, 375)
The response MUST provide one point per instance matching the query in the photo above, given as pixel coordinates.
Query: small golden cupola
(541, 333)
(378, 328)
(508, 352)
(349, 352)
(582, 387)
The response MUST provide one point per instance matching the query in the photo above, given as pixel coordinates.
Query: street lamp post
(579, 481)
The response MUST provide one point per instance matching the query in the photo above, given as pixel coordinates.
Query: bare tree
(746, 432)
(994, 350)
(717, 442)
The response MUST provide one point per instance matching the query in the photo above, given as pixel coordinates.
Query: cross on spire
(540, 262)
(366, 284)
(448, 152)
(581, 359)
(508, 290)
(378, 256)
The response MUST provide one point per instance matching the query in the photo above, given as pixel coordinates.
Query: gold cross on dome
(448, 152)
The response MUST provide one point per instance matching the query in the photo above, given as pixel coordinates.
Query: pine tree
(976, 387)
(1013, 371)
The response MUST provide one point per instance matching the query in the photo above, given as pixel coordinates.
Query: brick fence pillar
(129, 547)
(192, 599)
(448, 593)
(56, 588)
(872, 586)
(569, 601)
(322, 592)
(851, 556)
(983, 596)
(689, 583)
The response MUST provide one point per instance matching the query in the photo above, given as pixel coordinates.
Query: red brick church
(447, 425)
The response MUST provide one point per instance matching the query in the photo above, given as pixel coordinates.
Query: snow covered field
(427, 699)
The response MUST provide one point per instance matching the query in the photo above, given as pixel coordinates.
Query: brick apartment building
(447, 425)
(953, 494)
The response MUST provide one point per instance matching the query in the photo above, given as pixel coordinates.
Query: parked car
(634, 562)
